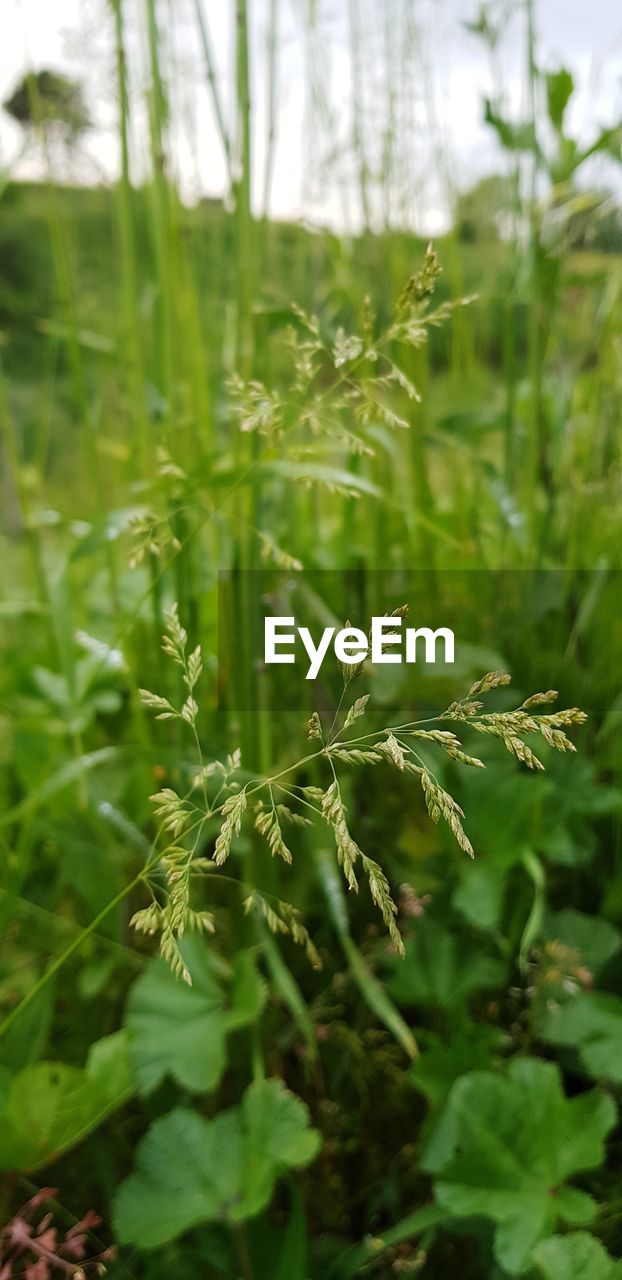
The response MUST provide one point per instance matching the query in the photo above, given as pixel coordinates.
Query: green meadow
(309, 982)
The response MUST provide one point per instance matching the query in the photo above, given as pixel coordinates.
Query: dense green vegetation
(360, 1051)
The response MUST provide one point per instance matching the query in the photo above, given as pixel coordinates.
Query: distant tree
(482, 212)
(51, 102)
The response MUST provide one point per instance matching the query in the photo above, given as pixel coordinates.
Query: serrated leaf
(438, 969)
(504, 1148)
(444, 1058)
(248, 992)
(592, 1025)
(50, 1106)
(577, 1256)
(181, 1030)
(277, 1137)
(190, 1170)
(514, 137)
(594, 940)
(479, 896)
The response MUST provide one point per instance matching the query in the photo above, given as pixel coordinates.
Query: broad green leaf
(181, 1031)
(50, 1106)
(591, 1024)
(608, 140)
(248, 992)
(514, 137)
(24, 1042)
(595, 941)
(479, 897)
(190, 1170)
(550, 814)
(577, 1256)
(438, 969)
(504, 1148)
(559, 88)
(443, 1060)
(561, 168)
(5, 1086)
(505, 811)
(277, 1136)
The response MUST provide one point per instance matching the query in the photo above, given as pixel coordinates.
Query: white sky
(439, 111)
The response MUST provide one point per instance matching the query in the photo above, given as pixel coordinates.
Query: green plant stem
(371, 989)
